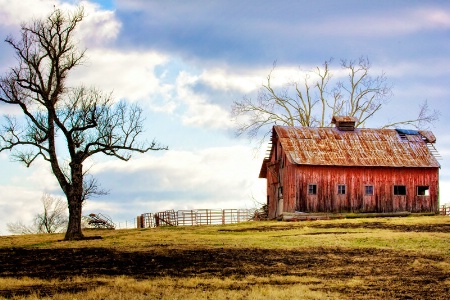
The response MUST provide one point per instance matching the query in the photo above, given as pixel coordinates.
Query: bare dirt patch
(396, 227)
(391, 274)
(368, 225)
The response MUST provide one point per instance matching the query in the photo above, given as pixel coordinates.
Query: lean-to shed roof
(359, 147)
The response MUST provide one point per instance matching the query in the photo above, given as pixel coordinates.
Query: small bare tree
(63, 125)
(311, 102)
(52, 219)
(20, 228)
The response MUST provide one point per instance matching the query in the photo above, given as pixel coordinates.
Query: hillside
(391, 258)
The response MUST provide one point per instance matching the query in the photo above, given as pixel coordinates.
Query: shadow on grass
(48, 290)
(393, 272)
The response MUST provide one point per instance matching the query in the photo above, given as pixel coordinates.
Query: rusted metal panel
(428, 135)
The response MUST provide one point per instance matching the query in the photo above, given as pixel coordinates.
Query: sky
(185, 62)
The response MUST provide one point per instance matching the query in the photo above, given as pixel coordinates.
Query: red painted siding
(283, 172)
(295, 180)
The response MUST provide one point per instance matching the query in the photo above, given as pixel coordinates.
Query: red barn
(347, 169)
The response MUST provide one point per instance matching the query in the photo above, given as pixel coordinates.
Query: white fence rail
(194, 217)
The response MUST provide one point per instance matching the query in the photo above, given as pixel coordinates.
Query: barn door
(280, 201)
(280, 207)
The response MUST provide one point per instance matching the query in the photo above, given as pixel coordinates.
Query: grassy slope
(421, 245)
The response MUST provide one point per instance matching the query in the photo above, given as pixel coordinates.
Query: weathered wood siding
(295, 180)
(328, 157)
(275, 179)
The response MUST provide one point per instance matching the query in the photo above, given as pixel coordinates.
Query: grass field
(373, 258)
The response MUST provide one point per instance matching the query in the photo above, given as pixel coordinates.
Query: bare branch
(316, 98)
(91, 188)
(424, 120)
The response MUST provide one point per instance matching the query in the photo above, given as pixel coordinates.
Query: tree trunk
(74, 228)
(74, 199)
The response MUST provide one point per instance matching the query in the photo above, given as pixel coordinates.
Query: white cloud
(220, 173)
(431, 18)
(221, 79)
(98, 26)
(391, 23)
(203, 111)
(18, 205)
(129, 75)
(200, 112)
(40, 176)
(13, 13)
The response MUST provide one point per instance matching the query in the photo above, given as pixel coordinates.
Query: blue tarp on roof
(407, 131)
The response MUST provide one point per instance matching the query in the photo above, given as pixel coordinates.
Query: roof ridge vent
(344, 123)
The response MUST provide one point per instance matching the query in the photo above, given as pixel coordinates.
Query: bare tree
(84, 120)
(52, 219)
(20, 228)
(311, 102)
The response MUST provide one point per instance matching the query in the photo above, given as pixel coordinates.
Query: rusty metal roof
(360, 147)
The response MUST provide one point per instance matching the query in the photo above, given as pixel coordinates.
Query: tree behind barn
(316, 98)
(63, 121)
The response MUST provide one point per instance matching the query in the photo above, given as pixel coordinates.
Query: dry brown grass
(392, 258)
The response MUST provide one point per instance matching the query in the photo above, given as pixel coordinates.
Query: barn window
(312, 189)
(341, 189)
(368, 190)
(423, 191)
(399, 190)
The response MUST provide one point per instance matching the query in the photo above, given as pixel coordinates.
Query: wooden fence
(445, 210)
(194, 217)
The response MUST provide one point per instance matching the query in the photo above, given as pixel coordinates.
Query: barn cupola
(344, 123)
